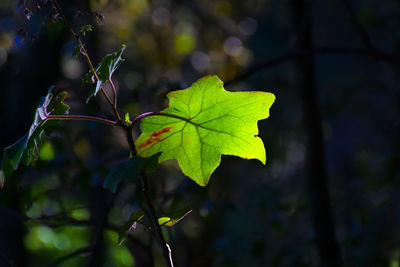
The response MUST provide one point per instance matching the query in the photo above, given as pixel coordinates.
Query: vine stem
(82, 118)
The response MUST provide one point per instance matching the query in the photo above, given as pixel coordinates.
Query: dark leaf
(86, 28)
(104, 71)
(27, 148)
(127, 170)
(76, 51)
(129, 225)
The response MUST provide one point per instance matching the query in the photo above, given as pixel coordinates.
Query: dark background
(334, 68)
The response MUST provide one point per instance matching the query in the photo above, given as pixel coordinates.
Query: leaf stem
(82, 118)
(115, 98)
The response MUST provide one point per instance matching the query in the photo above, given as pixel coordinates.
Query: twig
(324, 50)
(358, 27)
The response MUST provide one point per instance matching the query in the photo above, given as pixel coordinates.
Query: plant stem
(115, 99)
(82, 118)
(150, 211)
(86, 56)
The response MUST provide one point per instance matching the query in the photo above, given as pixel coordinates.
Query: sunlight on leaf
(202, 123)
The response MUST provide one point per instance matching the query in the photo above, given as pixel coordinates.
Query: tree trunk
(317, 183)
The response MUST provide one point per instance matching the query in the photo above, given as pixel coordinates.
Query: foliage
(104, 71)
(203, 122)
(27, 149)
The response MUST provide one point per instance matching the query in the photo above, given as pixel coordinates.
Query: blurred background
(329, 193)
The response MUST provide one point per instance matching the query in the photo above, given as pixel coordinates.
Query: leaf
(126, 170)
(129, 225)
(26, 149)
(202, 123)
(76, 51)
(174, 217)
(104, 71)
(86, 28)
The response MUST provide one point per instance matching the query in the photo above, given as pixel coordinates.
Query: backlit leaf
(129, 225)
(202, 123)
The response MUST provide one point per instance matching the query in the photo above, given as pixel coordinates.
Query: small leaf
(27, 148)
(76, 51)
(127, 170)
(86, 28)
(129, 225)
(127, 120)
(104, 71)
(174, 217)
(204, 122)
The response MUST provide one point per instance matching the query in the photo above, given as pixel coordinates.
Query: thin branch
(358, 27)
(259, 67)
(324, 50)
(82, 118)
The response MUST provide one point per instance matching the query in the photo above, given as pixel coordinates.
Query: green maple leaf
(202, 123)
